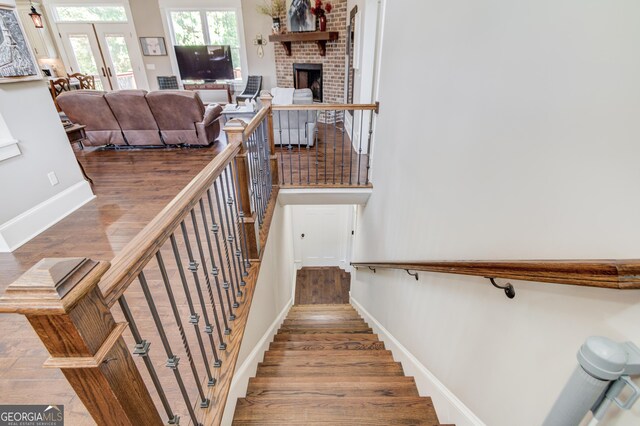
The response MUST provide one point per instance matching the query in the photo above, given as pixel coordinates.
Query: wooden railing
(322, 145)
(196, 265)
(614, 274)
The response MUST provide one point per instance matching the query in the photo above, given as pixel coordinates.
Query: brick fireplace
(308, 76)
(332, 66)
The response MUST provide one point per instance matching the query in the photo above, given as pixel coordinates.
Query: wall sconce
(260, 42)
(36, 17)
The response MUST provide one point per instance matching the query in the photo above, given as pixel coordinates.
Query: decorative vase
(323, 22)
(275, 26)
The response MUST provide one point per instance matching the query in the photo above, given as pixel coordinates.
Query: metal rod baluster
(236, 229)
(316, 132)
(325, 139)
(351, 148)
(204, 401)
(236, 184)
(335, 142)
(299, 149)
(207, 282)
(306, 141)
(289, 147)
(267, 162)
(369, 145)
(172, 359)
(360, 145)
(259, 177)
(231, 238)
(215, 228)
(344, 119)
(195, 318)
(236, 243)
(142, 349)
(264, 159)
(193, 267)
(281, 145)
(226, 248)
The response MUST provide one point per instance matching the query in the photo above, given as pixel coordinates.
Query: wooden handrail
(136, 254)
(326, 107)
(619, 274)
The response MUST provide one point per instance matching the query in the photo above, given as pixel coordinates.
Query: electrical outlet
(53, 178)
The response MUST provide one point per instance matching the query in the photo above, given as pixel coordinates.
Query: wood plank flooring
(322, 285)
(326, 367)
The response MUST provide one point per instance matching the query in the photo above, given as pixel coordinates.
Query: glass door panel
(119, 56)
(83, 51)
(86, 62)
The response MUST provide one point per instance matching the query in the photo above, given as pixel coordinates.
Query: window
(90, 14)
(215, 27)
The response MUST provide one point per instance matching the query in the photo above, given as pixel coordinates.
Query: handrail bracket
(415, 274)
(509, 291)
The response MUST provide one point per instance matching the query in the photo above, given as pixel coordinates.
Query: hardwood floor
(326, 367)
(322, 285)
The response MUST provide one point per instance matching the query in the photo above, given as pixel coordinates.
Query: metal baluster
(316, 131)
(344, 123)
(335, 142)
(215, 228)
(259, 177)
(353, 123)
(289, 147)
(194, 317)
(172, 359)
(264, 175)
(281, 145)
(238, 222)
(226, 251)
(325, 139)
(236, 242)
(193, 267)
(204, 401)
(306, 137)
(236, 184)
(230, 237)
(207, 282)
(299, 154)
(360, 144)
(267, 161)
(142, 349)
(369, 146)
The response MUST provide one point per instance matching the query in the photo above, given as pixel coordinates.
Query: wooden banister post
(235, 131)
(267, 102)
(62, 301)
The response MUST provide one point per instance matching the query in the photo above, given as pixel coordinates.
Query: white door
(322, 234)
(106, 51)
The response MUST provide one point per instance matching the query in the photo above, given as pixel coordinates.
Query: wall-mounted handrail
(327, 107)
(619, 274)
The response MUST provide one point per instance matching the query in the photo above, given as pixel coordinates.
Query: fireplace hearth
(309, 76)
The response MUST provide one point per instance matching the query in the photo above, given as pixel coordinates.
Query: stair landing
(325, 366)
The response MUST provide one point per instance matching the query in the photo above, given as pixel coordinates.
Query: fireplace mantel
(320, 37)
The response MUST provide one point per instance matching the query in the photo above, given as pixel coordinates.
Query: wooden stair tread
(319, 323)
(345, 330)
(273, 357)
(357, 368)
(325, 337)
(327, 410)
(358, 345)
(346, 386)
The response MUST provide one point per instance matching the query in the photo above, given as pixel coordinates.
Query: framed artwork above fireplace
(299, 16)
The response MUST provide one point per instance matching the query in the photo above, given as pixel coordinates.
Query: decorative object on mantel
(320, 37)
(273, 8)
(35, 17)
(17, 62)
(299, 16)
(321, 12)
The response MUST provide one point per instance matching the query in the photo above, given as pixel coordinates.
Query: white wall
(255, 24)
(272, 297)
(28, 201)
(523, 144)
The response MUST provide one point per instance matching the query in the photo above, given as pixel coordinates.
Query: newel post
(235, 133)
(267, 102)
(61, 300)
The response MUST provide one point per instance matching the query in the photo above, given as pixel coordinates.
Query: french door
(106, 51)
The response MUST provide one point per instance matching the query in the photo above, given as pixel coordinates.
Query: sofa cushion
(134, 115)
(90, 108)
(175, 109)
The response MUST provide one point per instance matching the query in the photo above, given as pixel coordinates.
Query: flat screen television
(205, 62)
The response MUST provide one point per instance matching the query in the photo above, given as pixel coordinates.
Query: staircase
(325, 366)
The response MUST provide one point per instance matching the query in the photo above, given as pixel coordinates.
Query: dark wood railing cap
(52, 286)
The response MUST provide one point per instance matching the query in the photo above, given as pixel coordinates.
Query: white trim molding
(324, 196)
(449, 408)
(8, 149)
(249, 367)
(29, 224)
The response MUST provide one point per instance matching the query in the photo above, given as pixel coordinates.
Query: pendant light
(36, 17)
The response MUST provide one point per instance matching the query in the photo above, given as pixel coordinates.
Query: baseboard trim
(449, 408)
(240, 381)
(31, 223)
